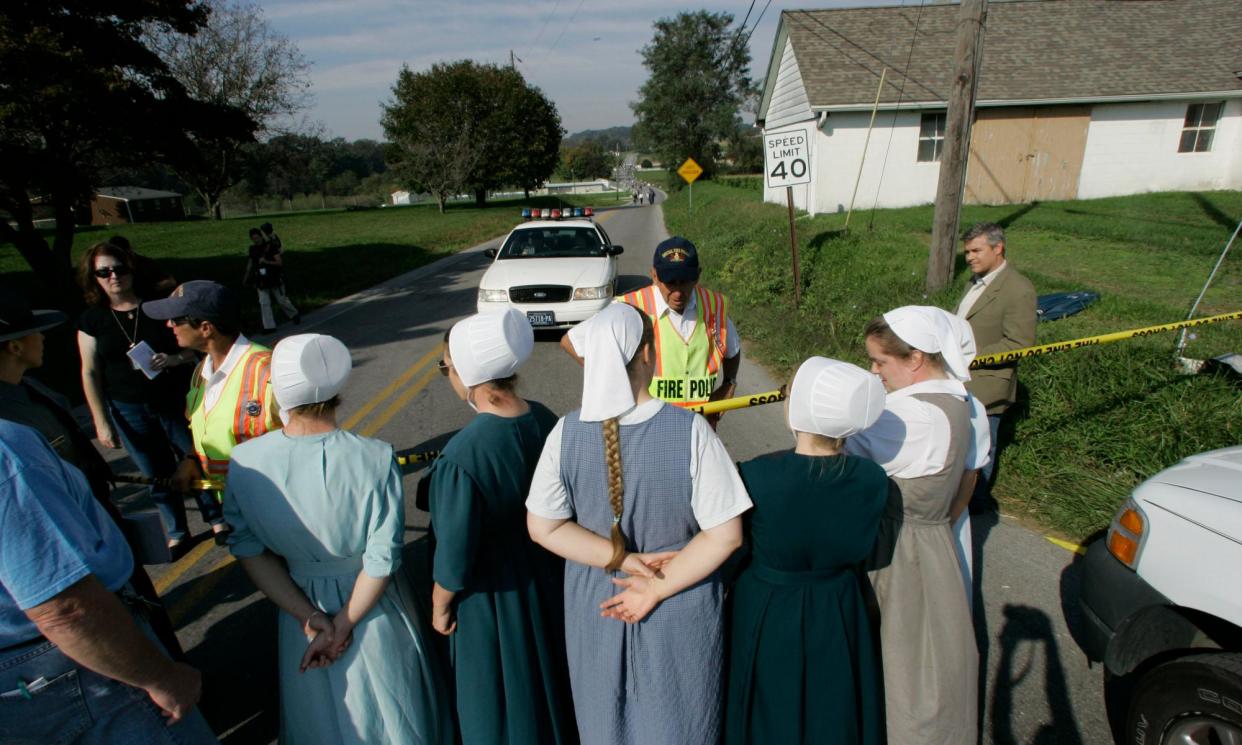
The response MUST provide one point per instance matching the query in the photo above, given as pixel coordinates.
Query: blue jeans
(64, 702)
(156, 441)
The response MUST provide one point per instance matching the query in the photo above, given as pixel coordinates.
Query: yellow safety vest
(686, 369)
(244, 410)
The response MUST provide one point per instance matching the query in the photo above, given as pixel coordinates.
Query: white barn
(1076, 99)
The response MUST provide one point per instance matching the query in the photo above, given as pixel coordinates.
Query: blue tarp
(1058, 305)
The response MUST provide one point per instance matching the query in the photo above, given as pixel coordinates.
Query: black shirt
(114, 332)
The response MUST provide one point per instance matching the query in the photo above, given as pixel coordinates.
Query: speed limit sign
(787, 155)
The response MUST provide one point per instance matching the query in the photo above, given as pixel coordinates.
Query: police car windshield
(553, 242)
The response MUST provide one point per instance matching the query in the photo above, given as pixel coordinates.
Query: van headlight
(493, 296)
(1126, 533)
(593, 293)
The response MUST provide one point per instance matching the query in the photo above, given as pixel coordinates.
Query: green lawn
(1092, 423)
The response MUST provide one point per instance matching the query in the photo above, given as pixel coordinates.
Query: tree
(698, 81)
(744, 149)
(470, 127)
(81, 93)
(587, 160)
(236, 59)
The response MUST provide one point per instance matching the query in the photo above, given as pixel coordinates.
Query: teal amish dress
(509, 647)
(331, 506)
(803, 665)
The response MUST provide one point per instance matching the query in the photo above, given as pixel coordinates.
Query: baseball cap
(199, 298)
(676, 260)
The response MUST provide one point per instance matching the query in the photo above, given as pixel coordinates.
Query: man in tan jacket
(1000, 305)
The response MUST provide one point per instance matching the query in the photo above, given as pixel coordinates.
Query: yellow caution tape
(741, 402)
(1076, 548)
(425, 456)
(1091, 341)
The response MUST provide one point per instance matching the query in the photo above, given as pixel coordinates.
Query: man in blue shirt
(71, 652)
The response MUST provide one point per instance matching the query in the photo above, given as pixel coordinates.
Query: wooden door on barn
(1026, 154)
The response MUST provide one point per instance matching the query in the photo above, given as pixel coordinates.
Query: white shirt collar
(230, 360)
(661, 306)
(937, 385)
(641, 412)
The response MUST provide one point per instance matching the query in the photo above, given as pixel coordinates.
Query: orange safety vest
(241, 413)
(687, 370)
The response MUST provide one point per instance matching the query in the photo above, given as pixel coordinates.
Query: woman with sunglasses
(144, 415)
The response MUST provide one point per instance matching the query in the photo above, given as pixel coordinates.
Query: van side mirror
(489, 253)
(615, 250)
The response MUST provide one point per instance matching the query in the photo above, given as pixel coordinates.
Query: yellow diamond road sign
(690, 170)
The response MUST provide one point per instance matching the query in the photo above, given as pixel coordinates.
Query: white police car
(559, 268)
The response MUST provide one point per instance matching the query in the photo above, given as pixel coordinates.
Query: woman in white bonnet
(497, 595)
(803, 666)
(922, 440)
(621, 484)
(318, 517)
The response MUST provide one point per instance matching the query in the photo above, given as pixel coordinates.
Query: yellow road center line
(182, 566)
(1074, 547)
(201, 589)
(391, 388)
(378, 423)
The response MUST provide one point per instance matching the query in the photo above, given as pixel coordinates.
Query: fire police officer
(699, 349)
(230, 398)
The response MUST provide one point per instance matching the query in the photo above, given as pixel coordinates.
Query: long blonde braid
(616, 490)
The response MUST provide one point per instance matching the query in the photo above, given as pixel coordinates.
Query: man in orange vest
(699, 349)
(230, 398)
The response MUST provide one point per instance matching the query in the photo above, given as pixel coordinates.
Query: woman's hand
(646, 565)
(443, 619)
(107, 438)
(321, 633)
(634, 603)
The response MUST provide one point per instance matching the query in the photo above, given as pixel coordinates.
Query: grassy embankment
(1091, 423)
(328, 255)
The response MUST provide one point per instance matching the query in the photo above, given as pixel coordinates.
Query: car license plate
(541, 317)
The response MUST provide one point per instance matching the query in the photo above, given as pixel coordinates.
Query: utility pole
(956, 144)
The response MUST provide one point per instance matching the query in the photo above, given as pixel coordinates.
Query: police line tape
(771, 397)
(1091, 341)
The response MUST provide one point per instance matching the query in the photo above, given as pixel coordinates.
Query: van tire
(1203, 687)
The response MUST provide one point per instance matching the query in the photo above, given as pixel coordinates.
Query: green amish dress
(803, 666)
(508, 650)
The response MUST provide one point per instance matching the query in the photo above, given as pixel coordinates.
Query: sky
(584, 55)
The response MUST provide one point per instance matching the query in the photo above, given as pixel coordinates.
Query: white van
(1162, 597)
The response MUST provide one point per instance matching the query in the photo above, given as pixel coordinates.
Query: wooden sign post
(787, 162)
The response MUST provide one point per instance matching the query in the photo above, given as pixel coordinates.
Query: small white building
(1076, 99)
(401, 197)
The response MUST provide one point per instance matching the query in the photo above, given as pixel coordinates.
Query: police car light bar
(535, 213)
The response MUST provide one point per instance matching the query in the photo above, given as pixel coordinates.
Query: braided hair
(612, 457)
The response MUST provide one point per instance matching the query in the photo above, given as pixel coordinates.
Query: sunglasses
(104, 272)
(184, 320)
(444, 368)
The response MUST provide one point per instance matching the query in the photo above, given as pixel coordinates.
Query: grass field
(1092, 423)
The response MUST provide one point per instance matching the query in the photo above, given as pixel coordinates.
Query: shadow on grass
(827, 236)
(1217, 215)
(1016, 215)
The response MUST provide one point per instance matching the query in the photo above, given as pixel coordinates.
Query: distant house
(401, 197)
(1075, 99)
(117, 205)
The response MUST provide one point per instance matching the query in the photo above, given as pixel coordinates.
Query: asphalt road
(1037, 687)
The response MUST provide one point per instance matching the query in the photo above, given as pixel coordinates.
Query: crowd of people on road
(608, 576)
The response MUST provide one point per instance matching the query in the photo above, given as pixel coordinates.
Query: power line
(901, 92)
(568, 23)
(757, 21)
(546, 18)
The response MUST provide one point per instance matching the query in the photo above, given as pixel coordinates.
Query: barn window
(1199, 128)
(931, 137)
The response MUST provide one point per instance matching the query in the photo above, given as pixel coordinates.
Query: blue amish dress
(331, 506)
(660, 680)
